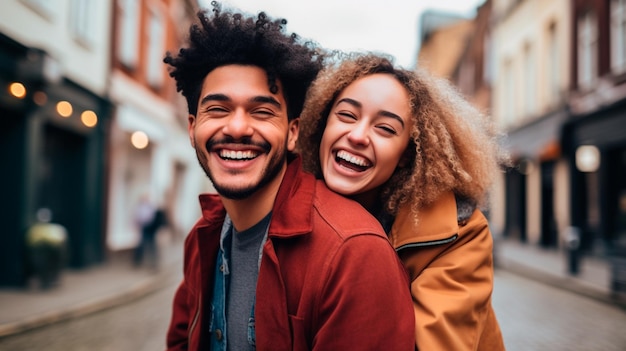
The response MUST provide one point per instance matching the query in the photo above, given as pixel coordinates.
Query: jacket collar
(293, 208)
(437, 221)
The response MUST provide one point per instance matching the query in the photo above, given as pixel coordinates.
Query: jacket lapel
(435, 222)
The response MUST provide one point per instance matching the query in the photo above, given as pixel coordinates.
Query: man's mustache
(265, 146)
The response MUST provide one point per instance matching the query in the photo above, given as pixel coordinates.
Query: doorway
(61, 176)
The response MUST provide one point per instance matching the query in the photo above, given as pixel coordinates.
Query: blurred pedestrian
(148, 219)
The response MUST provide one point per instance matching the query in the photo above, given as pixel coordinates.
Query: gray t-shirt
(244, 271)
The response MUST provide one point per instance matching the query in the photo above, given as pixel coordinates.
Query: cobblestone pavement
(532, 315)
(137, 326)
(537, 317)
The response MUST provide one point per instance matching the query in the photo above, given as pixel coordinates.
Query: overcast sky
(388, 26)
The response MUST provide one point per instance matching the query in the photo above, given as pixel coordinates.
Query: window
(128, 34)
(155, 35)
(82, 20)
(552, 64)
(618, 36)
(587, 50)
(529, 81)
(488, 69)
(466, 81)
(509, 92)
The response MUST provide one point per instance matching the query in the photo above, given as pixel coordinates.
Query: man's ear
(191, 121)
(292, 136)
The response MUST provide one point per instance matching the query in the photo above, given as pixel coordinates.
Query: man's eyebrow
(382, 112)
(267, 100)
(214, 97)
(222, 97)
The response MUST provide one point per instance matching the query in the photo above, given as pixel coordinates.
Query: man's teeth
(352, 159)
(237, 155)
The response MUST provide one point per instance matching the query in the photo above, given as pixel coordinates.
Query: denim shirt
(217, 326)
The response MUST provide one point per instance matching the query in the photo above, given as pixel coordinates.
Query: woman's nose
(359, 135)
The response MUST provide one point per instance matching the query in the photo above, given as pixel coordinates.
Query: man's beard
(270, 172)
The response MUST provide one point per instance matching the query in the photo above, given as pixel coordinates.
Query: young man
(277, 261)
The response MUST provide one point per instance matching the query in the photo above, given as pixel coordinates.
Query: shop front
(596, 147)
(52, 144)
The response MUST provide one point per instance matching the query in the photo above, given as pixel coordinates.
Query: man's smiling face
(241, 132)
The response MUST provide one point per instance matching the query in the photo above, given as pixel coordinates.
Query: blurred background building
(553, 75)
(90, 121)
(149, 144)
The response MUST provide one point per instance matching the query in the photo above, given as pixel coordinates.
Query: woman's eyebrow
(392, 115)
(351, 102)
(382, 112)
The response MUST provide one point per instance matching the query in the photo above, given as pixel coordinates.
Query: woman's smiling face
(366, 134)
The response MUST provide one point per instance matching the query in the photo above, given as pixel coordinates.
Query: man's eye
(215, 109)
(263, 113)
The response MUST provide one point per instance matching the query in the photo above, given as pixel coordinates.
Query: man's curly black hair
(226, 37)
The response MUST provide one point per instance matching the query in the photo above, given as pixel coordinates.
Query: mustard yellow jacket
(448, 254)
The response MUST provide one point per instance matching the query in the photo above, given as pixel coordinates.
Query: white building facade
(531, 52)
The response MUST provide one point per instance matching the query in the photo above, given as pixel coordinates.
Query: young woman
(421, 159)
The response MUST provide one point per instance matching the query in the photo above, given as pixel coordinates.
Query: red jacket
(329, 278)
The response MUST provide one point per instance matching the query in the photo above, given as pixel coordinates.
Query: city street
(537, 317)
(137, 326)
(533, 317)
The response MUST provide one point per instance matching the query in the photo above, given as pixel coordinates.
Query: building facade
(150, 152)
(531, 53)
(560, 92)
(594, 138)
(91, 121)
(443, 39)
(56, 113)
(473, 72)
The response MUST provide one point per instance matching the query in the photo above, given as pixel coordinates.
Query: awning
(535, 139)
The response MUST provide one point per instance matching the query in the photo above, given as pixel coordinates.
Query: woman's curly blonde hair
(454, 146)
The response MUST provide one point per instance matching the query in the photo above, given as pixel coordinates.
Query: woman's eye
(387, 130)
(346, 116)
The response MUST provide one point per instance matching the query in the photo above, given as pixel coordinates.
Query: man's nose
(238, 124)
